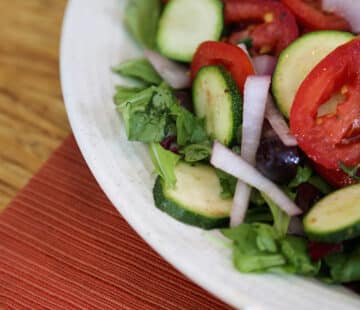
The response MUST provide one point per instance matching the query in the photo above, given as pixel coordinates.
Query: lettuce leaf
(281, 219)
(261, 248)
(147, 114)
(141, 19)
(164, 162)
(139, 69)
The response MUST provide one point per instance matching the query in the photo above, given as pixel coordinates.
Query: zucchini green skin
(298, 59)
(182, 214)
(231, 95)
(178, 42)
(339, 207)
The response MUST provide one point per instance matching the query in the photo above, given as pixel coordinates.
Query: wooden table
(33, 120)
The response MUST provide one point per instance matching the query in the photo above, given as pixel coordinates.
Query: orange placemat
(64, 246)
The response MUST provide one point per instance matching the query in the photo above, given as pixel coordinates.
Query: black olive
(277, 161)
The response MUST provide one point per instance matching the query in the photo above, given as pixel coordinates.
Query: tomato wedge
(233, 58)
(272, 26)
(336, 178)
(310, 15)
(334, 137)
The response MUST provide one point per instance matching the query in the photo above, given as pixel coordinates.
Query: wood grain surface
(33, 120)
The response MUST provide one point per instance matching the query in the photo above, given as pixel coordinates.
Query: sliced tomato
(334, 137)
(310, 15)
(232, 57)
(271, 26)
(336, 178)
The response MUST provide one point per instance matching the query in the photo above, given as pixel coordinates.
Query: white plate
(93, 40)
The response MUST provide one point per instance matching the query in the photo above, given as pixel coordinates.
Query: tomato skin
(274, 25)
(232, 57)
(336, 178)
(314, 18)
(322, 138)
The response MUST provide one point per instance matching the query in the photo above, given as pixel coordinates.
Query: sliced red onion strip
(224, 159)
(176, 75)
(256, 91)
(278, 123)
(264, 64)
(349, 9)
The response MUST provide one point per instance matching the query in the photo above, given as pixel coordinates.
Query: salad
(251, 112)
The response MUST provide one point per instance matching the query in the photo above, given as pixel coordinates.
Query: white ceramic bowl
(93, 40)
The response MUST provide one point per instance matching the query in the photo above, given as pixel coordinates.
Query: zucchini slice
(217, 98)
(195, 200)
(336, 217)
(187, 23)
(298, 59)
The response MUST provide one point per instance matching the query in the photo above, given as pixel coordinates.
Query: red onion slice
(256, 91)
(224, 159)
(349, 9)
(264, 64)
(296, 226)
(176, 75)
(278, 123)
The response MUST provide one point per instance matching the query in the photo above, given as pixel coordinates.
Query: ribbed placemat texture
(64, 246)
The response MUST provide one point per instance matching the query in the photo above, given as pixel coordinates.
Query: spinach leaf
(141, 19)
(140, 69)
(281, 219)
(227, 183)
(164, 162)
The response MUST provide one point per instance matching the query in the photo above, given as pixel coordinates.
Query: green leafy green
(247, 41)
(303, 175)
(190, 129)
(320, 184)
(196, 152)
(256, 198)
(153, 113)
(254, 247)
(140, 69)
(227, 183)
(147, 115)
(306, 175)
(281, 219)
(261, 248)
(295, 251)
(344, 267)
(125, 93)
(164, 162)
(258, 214)
(141, 19)
(350, 171)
